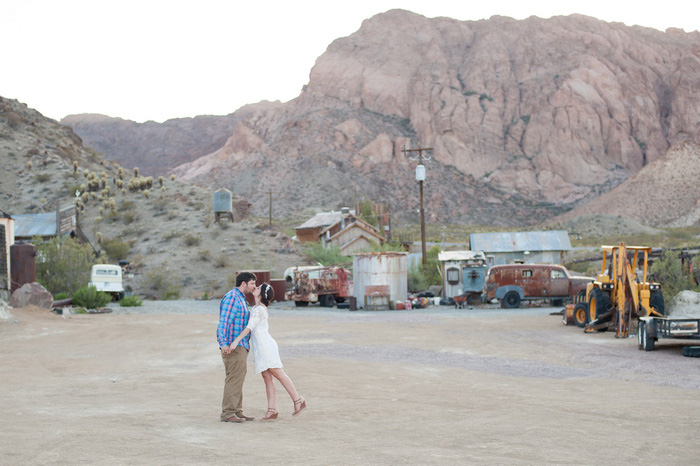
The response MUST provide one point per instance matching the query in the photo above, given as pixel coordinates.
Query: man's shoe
(233, 419)
(246, 418)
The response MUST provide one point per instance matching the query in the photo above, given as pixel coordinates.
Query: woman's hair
(267, 294)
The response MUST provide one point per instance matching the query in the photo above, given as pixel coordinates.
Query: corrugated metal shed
(556, 240)
(35, 224)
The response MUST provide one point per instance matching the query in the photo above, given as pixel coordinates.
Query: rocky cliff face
(525, 118)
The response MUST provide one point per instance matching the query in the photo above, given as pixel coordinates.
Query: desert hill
(527, 119)
(166, 232)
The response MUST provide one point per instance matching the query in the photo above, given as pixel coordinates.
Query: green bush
(89, 298)
(130, 301)
(157, 281)
(416, 279)
(116, 249)
(60, 296)
(670, 273)
(63, 265)
(171, 293)
(191, 239)
(326, 256)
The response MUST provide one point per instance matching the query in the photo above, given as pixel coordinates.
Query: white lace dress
(264, 347)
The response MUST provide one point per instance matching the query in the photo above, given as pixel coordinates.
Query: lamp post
(420, 177)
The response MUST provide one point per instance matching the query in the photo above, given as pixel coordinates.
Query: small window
(106, 272)
(527, 273)
(557, 274)
(453, 276)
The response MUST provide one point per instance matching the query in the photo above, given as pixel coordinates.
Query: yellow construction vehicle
(618, 294)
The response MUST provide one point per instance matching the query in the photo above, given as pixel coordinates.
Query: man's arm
(223, 331)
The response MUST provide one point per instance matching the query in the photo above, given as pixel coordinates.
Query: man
(233, 318)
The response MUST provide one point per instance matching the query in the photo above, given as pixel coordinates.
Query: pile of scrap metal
(325, 285)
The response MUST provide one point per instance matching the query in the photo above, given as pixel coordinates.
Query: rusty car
(325, 285)
(513, 283)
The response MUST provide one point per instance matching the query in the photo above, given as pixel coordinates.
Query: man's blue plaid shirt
(233, 318)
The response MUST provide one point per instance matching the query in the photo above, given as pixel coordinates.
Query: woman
(266, 354)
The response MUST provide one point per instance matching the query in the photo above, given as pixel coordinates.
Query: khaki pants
(236, 365)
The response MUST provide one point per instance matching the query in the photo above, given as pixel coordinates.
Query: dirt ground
(433, 386)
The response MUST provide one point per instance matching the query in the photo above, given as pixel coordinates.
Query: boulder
(32, 294)
(4, 313)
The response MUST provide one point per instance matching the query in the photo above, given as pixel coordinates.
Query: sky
(155, 60)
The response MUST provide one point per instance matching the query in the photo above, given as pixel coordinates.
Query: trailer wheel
(301, 303)
(581, 314)
(511, 300)
(646, 341)
(691, 351)
(656, 300)
(641, 327)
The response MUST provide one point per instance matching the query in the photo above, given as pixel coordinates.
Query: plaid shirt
(233, 318)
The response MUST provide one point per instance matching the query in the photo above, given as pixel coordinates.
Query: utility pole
(420, 177)
(270, 194)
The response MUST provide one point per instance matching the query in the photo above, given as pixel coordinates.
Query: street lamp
(420, 178)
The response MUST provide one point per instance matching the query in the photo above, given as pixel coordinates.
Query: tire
(327, 300)
(581, 314)
(511, 300)
(598, 304)
(580, 297)
(301, 303)
(646, 341)
(691, 351)
(641, 328)
(656, 300)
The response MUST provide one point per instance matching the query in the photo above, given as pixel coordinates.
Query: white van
(107, 278)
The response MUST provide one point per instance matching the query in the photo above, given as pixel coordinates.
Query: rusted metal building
(522, 247)
(379, 278)
(7, 239)
(341, 229)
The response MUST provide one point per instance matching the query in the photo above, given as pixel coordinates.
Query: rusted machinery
(618, 294)
(326, 285)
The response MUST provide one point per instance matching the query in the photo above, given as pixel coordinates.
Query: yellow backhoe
(618, 294)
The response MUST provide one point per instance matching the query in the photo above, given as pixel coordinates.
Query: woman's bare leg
(285, 381)
(270, 388)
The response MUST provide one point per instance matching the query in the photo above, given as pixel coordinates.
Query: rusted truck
(324, 285)
(513, 283)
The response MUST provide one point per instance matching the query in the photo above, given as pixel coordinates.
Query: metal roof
(556, 240)
(35, 224)
(461, 256)
(322, 219)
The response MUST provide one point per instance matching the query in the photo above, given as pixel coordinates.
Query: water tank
(380, 269)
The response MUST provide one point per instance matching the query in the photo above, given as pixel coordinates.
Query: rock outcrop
(526, 119)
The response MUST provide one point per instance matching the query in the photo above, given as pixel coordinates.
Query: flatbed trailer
(651, 328)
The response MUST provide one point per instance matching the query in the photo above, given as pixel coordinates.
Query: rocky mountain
(165, 228)
(527, 119)
(150, 145)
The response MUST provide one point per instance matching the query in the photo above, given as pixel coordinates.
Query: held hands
(228, 349)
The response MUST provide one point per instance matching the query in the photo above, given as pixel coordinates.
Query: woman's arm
(238, 339)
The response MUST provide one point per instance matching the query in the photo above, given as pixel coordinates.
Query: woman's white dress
(265, 352)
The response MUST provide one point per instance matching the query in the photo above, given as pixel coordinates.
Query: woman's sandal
(302, 406)
(271, 414)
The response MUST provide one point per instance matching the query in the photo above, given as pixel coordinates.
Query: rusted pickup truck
(513, 283)
(325, 285)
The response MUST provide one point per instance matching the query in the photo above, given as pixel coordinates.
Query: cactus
(98, 236)
(160, 181)
(136, 171)
(147, 193)
(75, 167)
(172, 177)
(30, 165)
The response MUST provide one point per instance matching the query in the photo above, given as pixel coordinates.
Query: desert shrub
(129, 217)
(43, 177)
(158, 282)
(89, 298)
(670, 273)
(171, 293)
(204, 255)
(63, 265)
(416, 279)
(61, 295)
(115, 248)
(326, 256)
(130, 301)
(191, 239)
(172, 234)
(221, 262)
